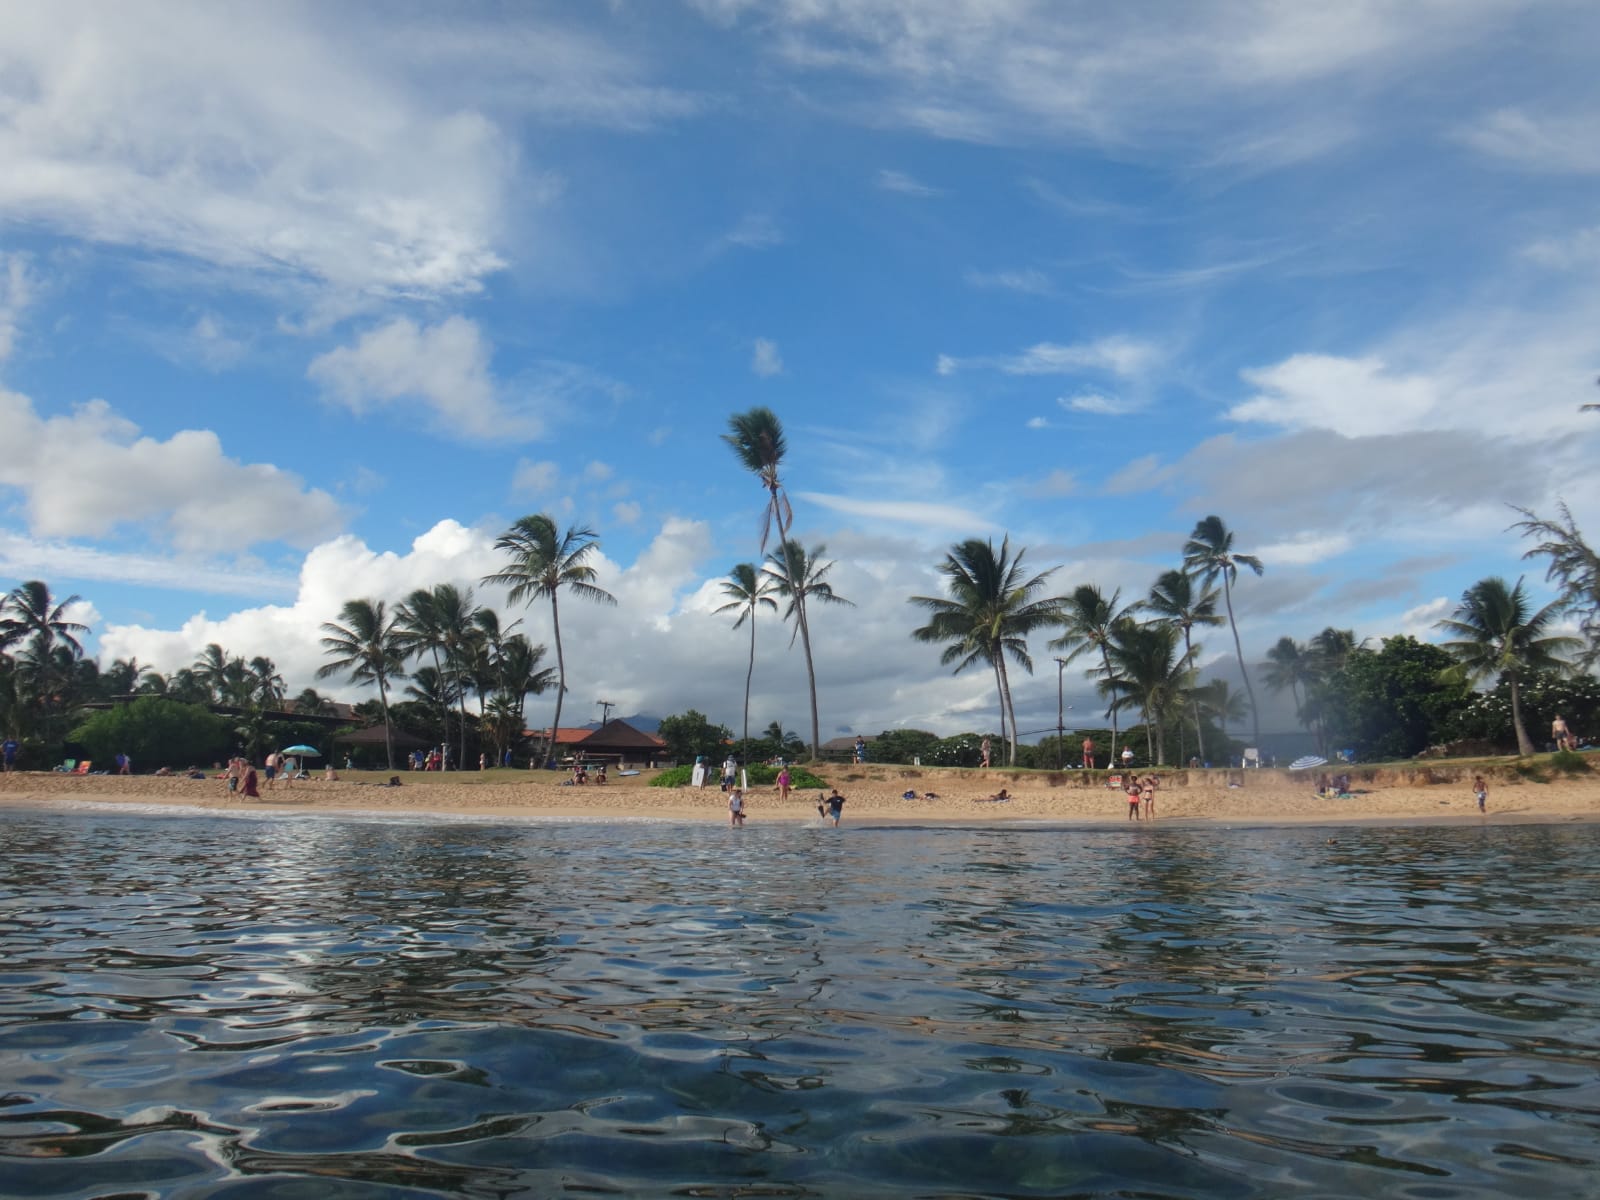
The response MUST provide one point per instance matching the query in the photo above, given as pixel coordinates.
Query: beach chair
(68, 765)
(82, 768)
(1252, 757)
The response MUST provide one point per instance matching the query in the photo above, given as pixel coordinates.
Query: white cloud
(1037, 423)
(1122, 356)
(28, 558)
(1028, 281)
(1558, 144)
(1355, 397)
(627, 512)
(1574, 251)
(765, 360)
(1100, 405)
(598, 472)
(92, 472)
(16, 291)
(899, 181)
(445, 367)
(908, 512)
(1057, 483)
(535, 478)
(1305, 549)
(755, 231)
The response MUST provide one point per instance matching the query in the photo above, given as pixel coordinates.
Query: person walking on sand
(273, 759)
(984, 749)
(736, 807)
(1088, 754)
(835, 803)
(1480, 791)
(783, 784)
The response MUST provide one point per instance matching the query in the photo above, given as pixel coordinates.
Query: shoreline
(1264, 802)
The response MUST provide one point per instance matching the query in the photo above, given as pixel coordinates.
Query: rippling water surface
(309, 1007)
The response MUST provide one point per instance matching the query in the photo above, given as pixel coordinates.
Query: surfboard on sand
(698, 776)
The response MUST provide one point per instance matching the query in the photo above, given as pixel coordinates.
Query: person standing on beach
(1088, 754)
(1133, 800)
(1480, 791)
(783, 784)
(735, 807)
(273, 759)
(1148, 793)
(250, 789)
(835, 803)
(1559, 734)
(984, 749)
(730, 772)
(1127, 757)
(861, 749)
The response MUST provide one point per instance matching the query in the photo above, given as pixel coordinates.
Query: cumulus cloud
(765, 360)
(91, 472)
(1354, 397)
(16, 291)
(535, 478)
(627, 512)
(443, 367)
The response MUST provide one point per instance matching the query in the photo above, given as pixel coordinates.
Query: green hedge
(760, 776)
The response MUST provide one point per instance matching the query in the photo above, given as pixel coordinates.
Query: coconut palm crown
(1209, 553)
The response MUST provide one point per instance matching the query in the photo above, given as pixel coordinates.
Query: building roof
(565, 736)
(619, 735)
(847, 743)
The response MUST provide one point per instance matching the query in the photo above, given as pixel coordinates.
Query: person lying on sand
(1000, 797)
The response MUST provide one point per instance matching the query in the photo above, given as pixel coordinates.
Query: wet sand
(874, 796)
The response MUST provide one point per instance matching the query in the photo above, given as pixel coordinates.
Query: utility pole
(1061, 665)
(605, 711)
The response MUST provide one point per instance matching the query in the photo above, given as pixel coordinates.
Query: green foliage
(1569, 762)
(690, 733)
(1393, 703)
(962, 750)
(155, 732)
(1543, 697)
(1531, 771)
(902, 745)
(761, 775)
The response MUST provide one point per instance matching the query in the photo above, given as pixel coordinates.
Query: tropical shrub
(155, 732)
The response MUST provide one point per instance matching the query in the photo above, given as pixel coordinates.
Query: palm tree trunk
(561, 681)
(388, 731)
(749, 674)
(1255, 716)
(1149, 746)
(1524, 743)
(1006, 706)
(805, 628)
(1111, 710)
(1194, 701)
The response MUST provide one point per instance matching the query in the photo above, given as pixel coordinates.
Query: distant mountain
(640, 722)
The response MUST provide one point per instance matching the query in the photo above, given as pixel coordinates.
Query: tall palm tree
(367, 648)
(1290, 667)
(747, 590)
(210, 671)
(541, 563)
(1219, 700)
(1175, 600)
(266, 684)
(123, 676)
(29, 613)
(1087, 618)
(520, 674)
(800, 576)
(1209, 553)
(1150, 673)
(986, 615)
(1498, 633)
(757, 440)
(1574, 566)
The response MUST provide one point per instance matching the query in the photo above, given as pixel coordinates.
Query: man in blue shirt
(9, 749)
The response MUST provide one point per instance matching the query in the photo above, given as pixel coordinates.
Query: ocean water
(307, 1007)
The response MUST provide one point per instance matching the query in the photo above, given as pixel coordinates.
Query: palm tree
(311, 702)
(799, 576)
(1574, 566)
(1174, 602)
(987, 614)
(757, 440)
(747, 590)
(1498, 634)
(1290, 667)
(266, 684)
(1087, 619)
(367, 648)
(438, 621)
(29, 613)
(1218, 699)
(123, 677)
(1209, 553)
(541, 564)
(1151, 673)
(210, 671)
(520, 674)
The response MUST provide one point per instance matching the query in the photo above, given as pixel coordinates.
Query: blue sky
(300, 302)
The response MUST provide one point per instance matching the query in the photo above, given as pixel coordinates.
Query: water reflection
(410, 1009)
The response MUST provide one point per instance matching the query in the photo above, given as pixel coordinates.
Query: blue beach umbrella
(1310, 760)
(302, 749)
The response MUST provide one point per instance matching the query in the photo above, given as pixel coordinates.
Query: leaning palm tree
(1087, 618)
(1574, 566)
(988, 611)
(757, 440)
(1498, 633)
(29, 613)
(800, 576)
(367, 648)
(1209, 553)
(1175, 600)
(541, 563)
(747, 590)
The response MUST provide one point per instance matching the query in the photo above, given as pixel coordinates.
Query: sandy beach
(875, 795)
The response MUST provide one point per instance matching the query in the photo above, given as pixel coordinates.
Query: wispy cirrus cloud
(904, 512)
(1119, 355)
(1027, 280)
(898, 181)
